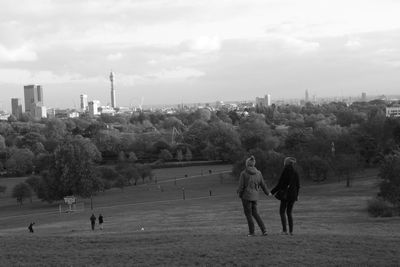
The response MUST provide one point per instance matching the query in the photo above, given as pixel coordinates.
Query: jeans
(250, 210)
(286, 207)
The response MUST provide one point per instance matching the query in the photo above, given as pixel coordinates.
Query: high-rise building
(16, 107)
(94, 107)
(113, 100)
(33, 97)
(268, 99)
(307, 97)
(84, 102)
(264, 101)
(363, 96)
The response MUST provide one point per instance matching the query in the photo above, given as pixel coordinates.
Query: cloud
(114, 57)
(205, 44)
(353, 44)
(22, 53)
(23, 76)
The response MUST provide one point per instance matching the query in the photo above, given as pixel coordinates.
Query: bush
(379, 208)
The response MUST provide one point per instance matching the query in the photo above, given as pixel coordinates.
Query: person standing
(289, 184)
(93, 221)
(101, 221)
(251, 182)
(30, 227)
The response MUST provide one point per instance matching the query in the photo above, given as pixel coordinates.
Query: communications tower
(113, 101)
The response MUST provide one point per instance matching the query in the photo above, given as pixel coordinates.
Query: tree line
(85, 155)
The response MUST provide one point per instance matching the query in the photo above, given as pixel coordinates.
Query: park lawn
(331, 228)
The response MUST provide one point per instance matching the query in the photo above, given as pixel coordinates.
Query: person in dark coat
(251, 183)
(101, 220)
(92, 221)
(289, 181)
(30, 227)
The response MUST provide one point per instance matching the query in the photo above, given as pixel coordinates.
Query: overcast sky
(173, 51)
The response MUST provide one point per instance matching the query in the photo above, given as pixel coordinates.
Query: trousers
(251, 211)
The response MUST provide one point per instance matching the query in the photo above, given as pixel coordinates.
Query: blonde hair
(250, 161)
(289, 161)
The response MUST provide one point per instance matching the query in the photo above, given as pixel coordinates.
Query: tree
(179, 155)
(255, 133)
(389, 172)
(2, 143)
(132, 157)
(55, 129)
(34, 183)
(72, 171)
(165, 155)
(21, 192)
(196, 136)
(345, 165)
(120, 183)
(130, 173)
(108, 142)
(188, 155)
(20, 162)
(3, 189)
(145, 171)
(223, 142)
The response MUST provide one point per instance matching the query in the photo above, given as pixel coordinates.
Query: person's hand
(269, 194)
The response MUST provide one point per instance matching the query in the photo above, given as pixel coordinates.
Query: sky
(197, 51)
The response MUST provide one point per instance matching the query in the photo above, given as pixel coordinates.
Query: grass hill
(332, 227)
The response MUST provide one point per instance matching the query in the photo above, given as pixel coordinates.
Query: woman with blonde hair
(251, 182)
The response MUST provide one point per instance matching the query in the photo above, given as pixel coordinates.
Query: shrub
(379, 208)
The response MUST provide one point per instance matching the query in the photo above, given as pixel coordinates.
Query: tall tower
(268, 100)
(307, 98)
(84, 102)
(16, 107)
(33, 97)
(113, 101)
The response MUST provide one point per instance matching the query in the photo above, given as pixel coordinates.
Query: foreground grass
(332, 228)
(200, 247)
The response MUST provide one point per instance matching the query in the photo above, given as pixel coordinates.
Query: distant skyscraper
(113, 100)
(307, 98)
(33, 95)
(363, 96)
(16, 107)
(94, 107)
(268, 100)
(84, 102)
(264, 101)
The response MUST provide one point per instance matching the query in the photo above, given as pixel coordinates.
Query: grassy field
(332, 228)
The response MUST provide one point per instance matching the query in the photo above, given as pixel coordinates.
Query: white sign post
(69, 200)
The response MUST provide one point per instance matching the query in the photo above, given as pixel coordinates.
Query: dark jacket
(289, 179)
(101, 219)
(250, 184)
(93, 219)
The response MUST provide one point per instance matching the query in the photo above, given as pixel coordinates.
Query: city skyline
(198, 52)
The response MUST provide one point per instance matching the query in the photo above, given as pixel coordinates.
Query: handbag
(281, 194)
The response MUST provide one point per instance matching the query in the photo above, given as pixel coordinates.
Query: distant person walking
(101, 221)
(93, 221)
(250, 184)
(30, 227)
(287, 191)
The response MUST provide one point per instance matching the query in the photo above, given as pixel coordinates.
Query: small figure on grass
(30, 227)
(101, 221)
(93, 221)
